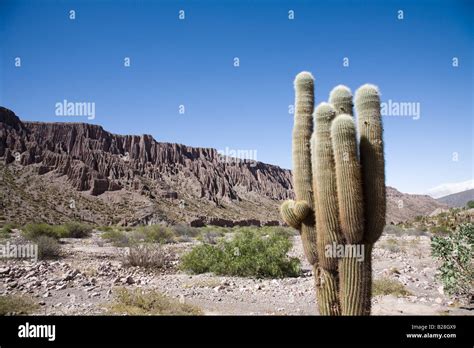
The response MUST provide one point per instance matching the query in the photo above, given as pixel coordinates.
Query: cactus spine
(340, 191)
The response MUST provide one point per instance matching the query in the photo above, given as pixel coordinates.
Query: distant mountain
(457, 200)
(405, 207)
(56, 172)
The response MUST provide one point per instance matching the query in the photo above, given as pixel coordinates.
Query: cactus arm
(327, 229)
(351, 212)
(293, 213)
(341, 99)
(302, 175)
(324, 177)
(371, 160)
(348, 178)
(373, 175)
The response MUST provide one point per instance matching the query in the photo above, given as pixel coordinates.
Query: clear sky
(190, 62)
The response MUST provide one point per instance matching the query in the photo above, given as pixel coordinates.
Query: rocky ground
(82, 282)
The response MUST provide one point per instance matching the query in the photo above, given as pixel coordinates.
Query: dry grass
(16, 305)
(387, 286)
(140, 302)
(392, 245)
(145, 255)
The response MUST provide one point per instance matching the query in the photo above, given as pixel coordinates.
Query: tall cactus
(340, 191)
(301, 214)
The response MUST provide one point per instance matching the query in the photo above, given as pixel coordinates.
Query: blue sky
(191, 62)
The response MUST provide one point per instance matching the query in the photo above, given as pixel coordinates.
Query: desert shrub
(248, 254)
(105, 228)
(456, 253)
(387, 286)
(76, 230)
(144, 234)
(210, 237)
(145, 255)
(277, 230)
(69, 230)
(16, 305)
(439, 229)
(6, 230)
(48, 247)
(405, 231)
(202, 258)
(391, 245)
(117, 238)
(139, 302)
(184, 232)
(291, 232)
(35, 230)
(154, 234)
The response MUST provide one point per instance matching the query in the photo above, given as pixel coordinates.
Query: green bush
(439, 229)
(280, 230)
(117, 238)
(144, 234)
(69, 230)
(154, 234)
(6, 230)
(456, 252)
(35, 230)
(76, 230)
(203, 258)
(105, 228)
(248, 254)
(470, 204)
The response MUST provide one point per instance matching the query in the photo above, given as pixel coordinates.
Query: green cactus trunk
(302, 175)
(373, 174)
(327, 229)
(340, 192)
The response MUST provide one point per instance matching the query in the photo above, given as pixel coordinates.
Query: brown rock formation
(167, 181)
(96, 160)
